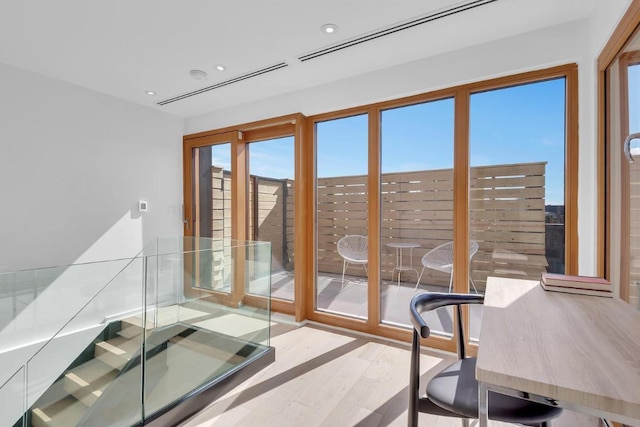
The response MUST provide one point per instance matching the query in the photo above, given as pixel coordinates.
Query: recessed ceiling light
(198, 74)
(329, 28)
(220, 67)
(150, 92)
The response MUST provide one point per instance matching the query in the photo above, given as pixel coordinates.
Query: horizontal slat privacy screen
(507, 217)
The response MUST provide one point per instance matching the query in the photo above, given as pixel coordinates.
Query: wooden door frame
(238, 217)
(610, 53)
(278, 130)
(462, 95)
(287, 125)
(305, 209)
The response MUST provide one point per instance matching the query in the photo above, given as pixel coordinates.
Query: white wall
(556, 45)
(73, 165)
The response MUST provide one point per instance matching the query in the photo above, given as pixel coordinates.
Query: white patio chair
(354, 250)
(440, 258)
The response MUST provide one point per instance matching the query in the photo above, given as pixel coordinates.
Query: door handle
(627, 146)
(185, 220)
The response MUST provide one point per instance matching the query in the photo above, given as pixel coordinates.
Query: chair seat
(456, 390)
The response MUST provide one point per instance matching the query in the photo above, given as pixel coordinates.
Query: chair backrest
(354, 247)
(441, 257)
(454, 391)
(473, 248)
(426, 302)
(433, 300)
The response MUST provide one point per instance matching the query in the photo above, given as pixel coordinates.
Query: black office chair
(454, 391)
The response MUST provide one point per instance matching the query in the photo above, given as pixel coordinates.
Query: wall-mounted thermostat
(143, 206)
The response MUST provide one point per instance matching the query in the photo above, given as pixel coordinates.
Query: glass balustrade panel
(98, 352)
(196, 337)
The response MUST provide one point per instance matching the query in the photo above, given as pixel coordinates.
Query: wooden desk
(579, 352)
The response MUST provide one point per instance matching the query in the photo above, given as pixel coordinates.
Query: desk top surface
(579, 349)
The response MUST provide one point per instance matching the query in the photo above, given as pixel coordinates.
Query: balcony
(518, 235)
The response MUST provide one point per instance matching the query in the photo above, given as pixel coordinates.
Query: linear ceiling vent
(396, 28)
(225, 83)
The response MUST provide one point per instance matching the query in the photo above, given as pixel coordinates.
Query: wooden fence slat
(503, 193)
(514, 169)
(501, 182)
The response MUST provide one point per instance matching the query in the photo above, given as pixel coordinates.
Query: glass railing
(170, 322)
(36, 304)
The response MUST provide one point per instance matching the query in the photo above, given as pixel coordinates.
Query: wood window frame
(305, 208)
(287, 125)
(192, 248)
(462, 95)
(625, 60)
(623, 32)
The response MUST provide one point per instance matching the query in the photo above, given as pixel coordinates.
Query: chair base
(456, 388)
(426, 406)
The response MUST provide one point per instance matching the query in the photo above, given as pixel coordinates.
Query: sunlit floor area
(322, 377)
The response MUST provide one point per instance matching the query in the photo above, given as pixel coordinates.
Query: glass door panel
(342, 216)
(209, 218)
(271, 207)
(211, 205)
(416, 208)
(517, 183)
(517, 146)
(633, 199)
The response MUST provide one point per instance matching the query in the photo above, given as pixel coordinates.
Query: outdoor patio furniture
(440, 258)
(400, 267)
(454, 391)
(354, 250)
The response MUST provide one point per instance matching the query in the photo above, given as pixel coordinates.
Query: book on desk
(583, 285)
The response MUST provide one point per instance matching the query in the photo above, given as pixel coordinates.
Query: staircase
(102, 386)
(115, 359)
(80, 357)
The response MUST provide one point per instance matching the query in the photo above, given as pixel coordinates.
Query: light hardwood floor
(326, 377)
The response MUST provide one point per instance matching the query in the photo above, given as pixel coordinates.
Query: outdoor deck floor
(351, 300)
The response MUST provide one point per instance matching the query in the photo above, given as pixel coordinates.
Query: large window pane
(271, 205)
(341, 197)
(212, 208)
(633, 100)
(517, 146)
(417, 207)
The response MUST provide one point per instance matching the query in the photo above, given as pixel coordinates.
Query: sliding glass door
(517, 189)
(271, 210)
(342, 216)
(416, 219)
(623, 126)
(211, 211)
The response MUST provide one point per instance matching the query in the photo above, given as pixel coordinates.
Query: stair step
(136, 322)
(166, 316)
(63, 413)
(117, 352)
(130, 331)
(87, 381)
(199, 342)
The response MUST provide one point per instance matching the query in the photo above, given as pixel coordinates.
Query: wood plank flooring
(327, 377)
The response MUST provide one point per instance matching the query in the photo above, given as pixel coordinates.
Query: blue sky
(513, 125)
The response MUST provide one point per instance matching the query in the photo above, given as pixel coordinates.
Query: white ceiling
(124, 48)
